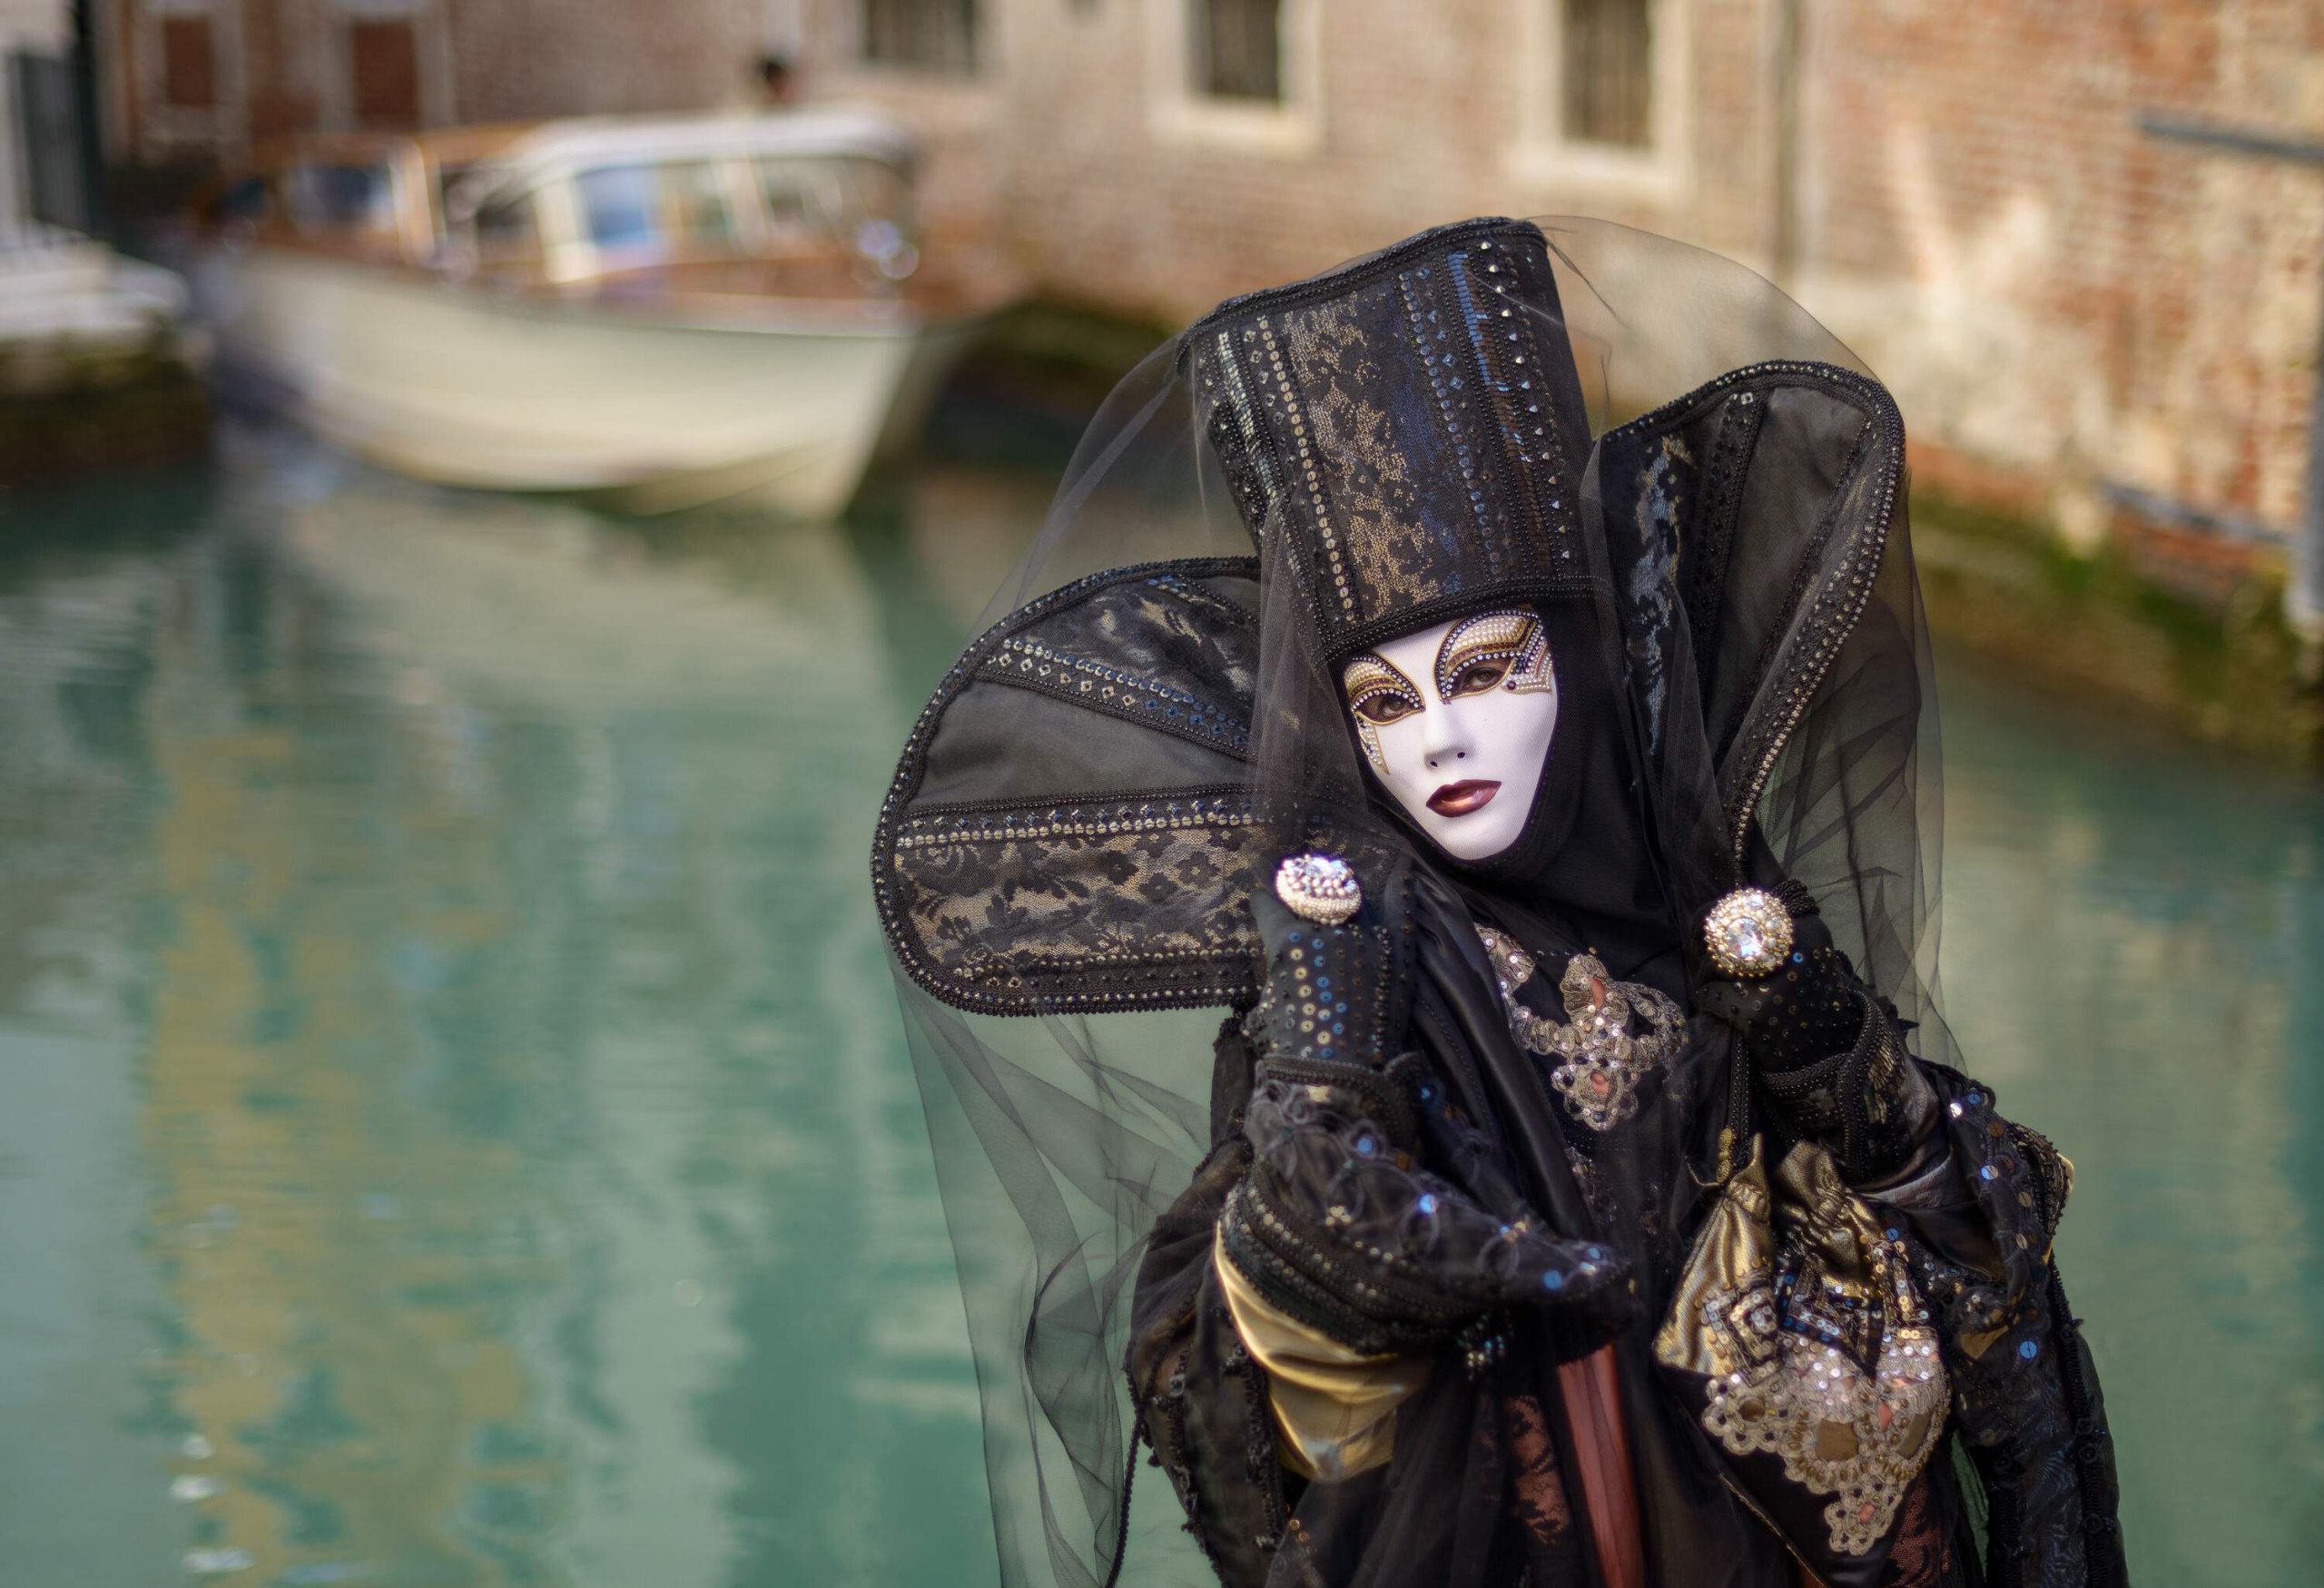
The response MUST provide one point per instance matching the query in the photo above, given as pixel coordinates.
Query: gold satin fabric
(1335, 1415)
(1835, 1231)
(1335, 1408)
(1734, 1244)
(1836, 1374)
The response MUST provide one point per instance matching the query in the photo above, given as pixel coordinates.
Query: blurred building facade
(93, 374)
(190, 79)
(2079, 315)
(34, 38)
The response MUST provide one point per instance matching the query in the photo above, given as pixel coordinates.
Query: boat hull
(469, 386)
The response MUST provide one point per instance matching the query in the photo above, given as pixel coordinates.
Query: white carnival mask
(1456, 721)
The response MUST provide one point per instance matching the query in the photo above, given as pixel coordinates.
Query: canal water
(454, 1127)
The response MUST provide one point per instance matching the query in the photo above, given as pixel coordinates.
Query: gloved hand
(1337, 1224)
(1338, 994)
(1805, 1010)
(1827, 1059)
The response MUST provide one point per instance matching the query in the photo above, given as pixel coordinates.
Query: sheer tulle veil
(1141, 728)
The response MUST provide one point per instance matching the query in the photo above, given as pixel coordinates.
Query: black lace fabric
(1407, 425)
(998, 891)
(1700, 494)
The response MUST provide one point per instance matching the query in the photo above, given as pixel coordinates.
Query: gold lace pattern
(1601, 1059)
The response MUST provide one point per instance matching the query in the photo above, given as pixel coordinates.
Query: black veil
(1143, 725)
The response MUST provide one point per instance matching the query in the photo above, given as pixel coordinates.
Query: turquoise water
(453, 1129)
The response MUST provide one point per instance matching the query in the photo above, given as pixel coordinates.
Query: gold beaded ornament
(1320, 887)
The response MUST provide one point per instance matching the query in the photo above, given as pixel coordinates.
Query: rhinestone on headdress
(1321, 887)
(1748, 932)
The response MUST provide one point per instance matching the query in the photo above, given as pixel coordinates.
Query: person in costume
(1579, 1190)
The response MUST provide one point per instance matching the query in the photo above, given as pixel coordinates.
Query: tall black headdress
(1405, 440)
(1408, 443)
(1407, 433)
(1565, 414)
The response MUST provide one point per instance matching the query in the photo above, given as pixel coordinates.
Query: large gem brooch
(1321, 887)
(1748, 932)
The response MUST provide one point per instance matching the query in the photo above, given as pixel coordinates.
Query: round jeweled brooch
(1321, 887)
(1748, 932)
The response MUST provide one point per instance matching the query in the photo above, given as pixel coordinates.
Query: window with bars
(1606, 58)
(1237, 48)
(938, 35)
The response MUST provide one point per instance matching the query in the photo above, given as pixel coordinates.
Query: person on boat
(778, 82)
(1579, 1190)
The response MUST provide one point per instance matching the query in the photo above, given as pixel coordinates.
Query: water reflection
(457, 1127)
(2135, 932)
(527, 1189)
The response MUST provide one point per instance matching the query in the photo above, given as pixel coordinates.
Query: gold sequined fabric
(1797, 1331)
(1613, 1033)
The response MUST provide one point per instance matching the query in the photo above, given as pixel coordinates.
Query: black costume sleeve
(1339, 1222)
(2026, 1403)
(1976, 1197)
(1354, 1196)
(1201, 1402)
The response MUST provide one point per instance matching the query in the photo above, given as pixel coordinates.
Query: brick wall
(479, 60)
(2063, 302)
(1416, 122)
(2050, 288)
(516, 59)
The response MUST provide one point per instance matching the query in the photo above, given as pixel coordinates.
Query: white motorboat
(665, 313)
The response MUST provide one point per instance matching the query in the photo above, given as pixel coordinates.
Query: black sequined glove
(1808, 1009)
(1334, 994)
(1337, 1223)
(1825, 1057)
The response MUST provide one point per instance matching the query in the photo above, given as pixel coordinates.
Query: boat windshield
(658, 209)
(509, 233)
(634, 213)
(822, 198)
(343, 199)
(449, 175)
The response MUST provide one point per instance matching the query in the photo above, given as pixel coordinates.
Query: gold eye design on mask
(1506, 650)
(1377, 694)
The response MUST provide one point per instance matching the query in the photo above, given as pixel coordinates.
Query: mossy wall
(2211, 654)
(2201, 642)
(67, 412)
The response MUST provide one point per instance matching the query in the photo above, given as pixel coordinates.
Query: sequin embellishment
(1793, 1389)
(1321, 887)
(1517, 638)
(1367, 678)
(1602, 1059)
(1747, 933)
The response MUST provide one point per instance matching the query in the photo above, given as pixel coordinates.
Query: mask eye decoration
(1502, 650)
(1377, 694)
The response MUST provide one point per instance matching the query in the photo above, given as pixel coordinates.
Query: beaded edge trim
(1552, 522)
(1841, 591)
(1230, 978)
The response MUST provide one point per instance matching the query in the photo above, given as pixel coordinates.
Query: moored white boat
(663, 312)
